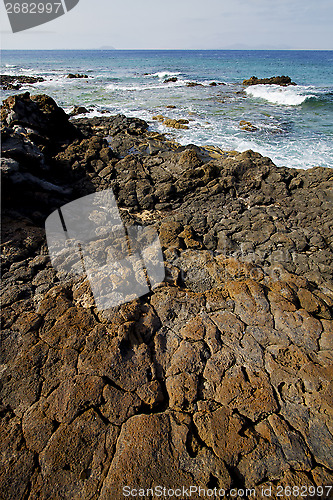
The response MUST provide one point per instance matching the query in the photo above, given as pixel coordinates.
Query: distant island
(106, 47)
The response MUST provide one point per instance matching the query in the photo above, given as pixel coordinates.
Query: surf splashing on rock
(288, 96)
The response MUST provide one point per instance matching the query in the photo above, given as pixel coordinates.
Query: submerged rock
(193, 84)
(248, 126)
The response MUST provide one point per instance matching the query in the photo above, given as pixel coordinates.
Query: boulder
(39, 113)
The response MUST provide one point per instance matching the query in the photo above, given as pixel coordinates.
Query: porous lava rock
(222, 376)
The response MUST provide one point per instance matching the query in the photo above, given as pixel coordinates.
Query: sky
(182, 24)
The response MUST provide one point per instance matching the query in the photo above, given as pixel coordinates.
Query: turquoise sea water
(294, 124)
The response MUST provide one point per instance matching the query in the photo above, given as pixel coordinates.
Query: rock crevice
(220, 377)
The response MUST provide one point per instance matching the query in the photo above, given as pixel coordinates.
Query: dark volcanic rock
(9, 82)
(221, 377)
(76, 75)
(40, 113)
(34, 129)
(193, 84)
(78, 110)
(277, 80)
(173, 79)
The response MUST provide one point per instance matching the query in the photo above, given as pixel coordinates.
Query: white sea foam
(114, 87)
(165, 74)
(54, 81)
(288, 96)
(295, 154)
(91, 114)
(28, 70)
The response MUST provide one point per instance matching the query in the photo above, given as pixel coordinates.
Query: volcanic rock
(274, 80)
(193, 84)
(172, 123)
(9, 82)
(219, 377)
(248, 126)
(76, 75)
(78, 110)
(173, 79)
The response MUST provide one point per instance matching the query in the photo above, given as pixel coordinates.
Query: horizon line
(166, 49)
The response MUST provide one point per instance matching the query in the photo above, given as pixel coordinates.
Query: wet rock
(172, 123)
(193, 84)
(78, 110)
(276, 80)
(76, 75)
(10, 82)
(173, 79)
(168, 122)
(248, 126)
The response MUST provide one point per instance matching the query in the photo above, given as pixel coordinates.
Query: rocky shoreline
(10, 82)
(220, 378)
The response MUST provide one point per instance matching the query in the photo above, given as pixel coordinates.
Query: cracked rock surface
(220, 377)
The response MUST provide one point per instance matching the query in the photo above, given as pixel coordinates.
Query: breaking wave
(288, 96)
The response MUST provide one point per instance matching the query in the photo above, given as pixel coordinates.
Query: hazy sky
(182, 24)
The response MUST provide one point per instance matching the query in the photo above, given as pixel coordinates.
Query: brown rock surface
(222, 376)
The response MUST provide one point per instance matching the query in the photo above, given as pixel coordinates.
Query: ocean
(292, 125)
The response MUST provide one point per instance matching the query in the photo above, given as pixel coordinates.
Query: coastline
(291, 125)
(222, 374)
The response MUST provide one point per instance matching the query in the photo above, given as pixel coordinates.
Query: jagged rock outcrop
(222, 376)
(10, 82)
(276, 80)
